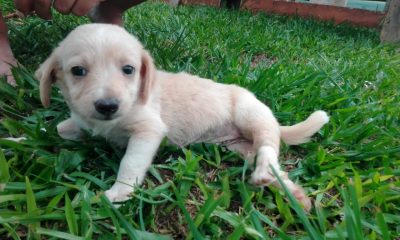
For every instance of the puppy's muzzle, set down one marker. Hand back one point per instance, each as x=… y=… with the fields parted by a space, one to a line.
x=107 y=107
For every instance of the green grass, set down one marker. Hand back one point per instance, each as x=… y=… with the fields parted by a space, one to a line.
x=350 y=169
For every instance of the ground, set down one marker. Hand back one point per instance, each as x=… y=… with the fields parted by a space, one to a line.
x=350 y=168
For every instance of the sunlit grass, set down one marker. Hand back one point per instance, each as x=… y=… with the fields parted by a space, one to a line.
x=350 y=169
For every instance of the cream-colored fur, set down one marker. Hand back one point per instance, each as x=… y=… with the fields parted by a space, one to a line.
x=154 y=104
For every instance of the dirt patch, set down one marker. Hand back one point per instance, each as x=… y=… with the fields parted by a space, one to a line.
x=262 y=60
x=168 y=223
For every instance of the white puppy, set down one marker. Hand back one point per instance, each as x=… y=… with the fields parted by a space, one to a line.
x=113 y=89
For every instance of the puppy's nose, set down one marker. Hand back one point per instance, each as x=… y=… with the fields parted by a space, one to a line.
x=107 y=106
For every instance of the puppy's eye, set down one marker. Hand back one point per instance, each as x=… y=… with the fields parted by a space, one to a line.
x=128 y=69
x=79 y=71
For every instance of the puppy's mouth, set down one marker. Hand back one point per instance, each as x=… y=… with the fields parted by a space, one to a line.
x=105 y=117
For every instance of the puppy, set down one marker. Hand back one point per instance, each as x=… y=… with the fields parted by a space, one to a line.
x=113 y=89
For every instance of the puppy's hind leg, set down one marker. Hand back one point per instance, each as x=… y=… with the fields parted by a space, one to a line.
x=263 y=175
x=257 y=122
x=245 y=149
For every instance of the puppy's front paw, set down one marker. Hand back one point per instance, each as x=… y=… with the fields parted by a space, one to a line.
x=119 y=192
x=69 y=130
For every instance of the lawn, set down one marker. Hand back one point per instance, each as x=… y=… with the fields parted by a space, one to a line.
x=350 y=168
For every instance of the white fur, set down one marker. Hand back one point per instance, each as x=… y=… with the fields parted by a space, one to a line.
x=154 y=104
x=301 y=132
x=134 y=165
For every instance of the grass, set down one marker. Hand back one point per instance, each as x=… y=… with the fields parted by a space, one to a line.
x=350 y=169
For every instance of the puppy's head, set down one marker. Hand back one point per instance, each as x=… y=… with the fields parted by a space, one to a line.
x=101 y=70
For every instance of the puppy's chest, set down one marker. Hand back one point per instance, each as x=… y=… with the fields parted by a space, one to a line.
x=116 y=135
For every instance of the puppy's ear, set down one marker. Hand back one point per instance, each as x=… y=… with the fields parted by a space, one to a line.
x=46 y=76
x=147 y=75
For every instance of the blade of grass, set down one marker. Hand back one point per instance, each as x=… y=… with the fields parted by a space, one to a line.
x=70 y=216
x=12 y=197
x=58 y=234
x=227 y=193
x=208 y=207
x=237 y=233
x=11 y=231
x=128 y=227
x=53 y=203
x=132 y=233
x=380 y=219
x=352 y=213
x=118 y=235
x=32 y=209
x=28 y=218
x=4 y=173
x=265 y=219
x=181 y=204
x=86 y=214
x=248 y=206
x=141 y=220
x=314 y=234
x=98 y=182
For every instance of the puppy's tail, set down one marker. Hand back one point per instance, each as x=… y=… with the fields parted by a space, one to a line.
x=302 y=131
